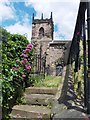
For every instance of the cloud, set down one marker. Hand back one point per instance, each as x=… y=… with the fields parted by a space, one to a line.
x=64 y=1
x=64 y=14
x=23 y=28
x=7 y=11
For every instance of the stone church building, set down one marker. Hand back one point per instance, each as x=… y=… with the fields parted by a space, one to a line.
x=55 y=52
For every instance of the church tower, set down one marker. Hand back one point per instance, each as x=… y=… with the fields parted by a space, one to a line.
x=42 y=33
x=42 y=29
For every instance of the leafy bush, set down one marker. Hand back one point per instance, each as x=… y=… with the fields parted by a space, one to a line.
x=16 y=66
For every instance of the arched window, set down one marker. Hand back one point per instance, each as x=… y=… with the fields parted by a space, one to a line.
x=41 y=32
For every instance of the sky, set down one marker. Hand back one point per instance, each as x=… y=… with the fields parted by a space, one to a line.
x=16 y=16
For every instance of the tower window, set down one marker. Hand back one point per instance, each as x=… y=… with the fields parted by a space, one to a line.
x=41 y=32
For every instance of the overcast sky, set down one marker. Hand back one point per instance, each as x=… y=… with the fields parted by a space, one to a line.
x=16 y=16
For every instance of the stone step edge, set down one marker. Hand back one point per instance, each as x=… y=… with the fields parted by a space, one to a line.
x=29 y=107
x=39 y=99
x=33 y=111
x=40 y=90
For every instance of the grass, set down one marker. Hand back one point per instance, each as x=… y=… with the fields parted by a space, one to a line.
x=49 y=81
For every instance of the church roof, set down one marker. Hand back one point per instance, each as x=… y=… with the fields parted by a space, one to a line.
x=57 y=42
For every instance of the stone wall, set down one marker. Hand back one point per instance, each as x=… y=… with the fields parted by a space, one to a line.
x=52 y=59
x=47 y=30
x=44 y=44
x=56 y=53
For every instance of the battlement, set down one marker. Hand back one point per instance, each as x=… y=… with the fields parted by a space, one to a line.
x=39 y=21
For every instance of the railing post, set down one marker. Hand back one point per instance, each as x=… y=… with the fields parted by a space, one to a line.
x=84 y=58
x=88 y=30
x=77 y=53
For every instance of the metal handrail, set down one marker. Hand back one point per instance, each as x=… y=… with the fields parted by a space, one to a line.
x=74 y=50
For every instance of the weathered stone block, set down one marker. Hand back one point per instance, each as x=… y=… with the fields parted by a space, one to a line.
x=40 y=90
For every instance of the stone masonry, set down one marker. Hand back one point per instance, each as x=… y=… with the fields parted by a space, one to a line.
x=56 y=51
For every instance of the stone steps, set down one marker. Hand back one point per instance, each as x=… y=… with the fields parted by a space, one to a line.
x=38 y=103
x=39 y=99
x=30 y=111
x=40 y=90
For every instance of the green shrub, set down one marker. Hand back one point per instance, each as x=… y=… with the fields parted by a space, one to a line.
x=16 y=65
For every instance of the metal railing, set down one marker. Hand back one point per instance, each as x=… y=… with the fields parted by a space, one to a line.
x=80 y=34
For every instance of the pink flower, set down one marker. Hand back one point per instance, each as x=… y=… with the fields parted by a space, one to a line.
x=27 y=67
x=24 y=55
x=27 y=50
x=78 y=33
x=17 y=61
x=14 y=68
x=29 y=46
x=23 y=75
x=23 y=50
x=24 y=61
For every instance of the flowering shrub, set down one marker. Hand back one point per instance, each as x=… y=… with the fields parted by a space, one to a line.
x=16 y=66
x=24 y=66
